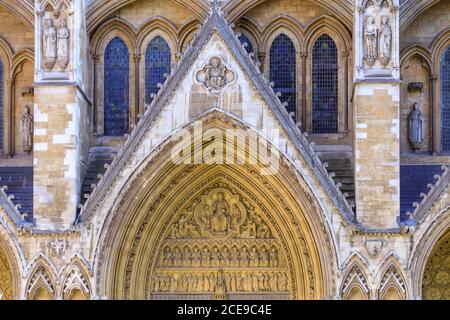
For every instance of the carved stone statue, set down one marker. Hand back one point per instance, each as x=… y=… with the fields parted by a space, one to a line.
x=63 y=44
x=385 y=41
x=49 y=44
x=26 y=126
x=416 y=127
x=370 y=41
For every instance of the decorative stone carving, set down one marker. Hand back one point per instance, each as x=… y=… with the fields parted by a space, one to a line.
x=215 y=76
x=57 y=247
x=385 y=41
x=415 y=86
x=220 y=245
x=63 y=44
x=26 y=127
x=374 y=247
x=49 y=44
x=370 y=41
x=416 y=127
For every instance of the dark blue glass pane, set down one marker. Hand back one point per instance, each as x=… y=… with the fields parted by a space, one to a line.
x=325 y=86
x=116 y=102
x=244 y=39
x=283 y=70
x=445 y=100
x=157 y=63
x=1 y=104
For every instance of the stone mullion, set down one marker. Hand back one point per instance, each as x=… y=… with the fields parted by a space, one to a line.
x=304 y=57
x=10 y=83
x=136 y=59
x=96 y=59
x=435 y=132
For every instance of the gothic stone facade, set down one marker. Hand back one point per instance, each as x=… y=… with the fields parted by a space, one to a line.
x=348 y=96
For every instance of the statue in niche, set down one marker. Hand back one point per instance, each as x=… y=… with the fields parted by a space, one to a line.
x=220 y=218
x=370 y=41
x=416 y=127
x=26 y=124
x=385 y=41
x=49 y=44
x=63 y=44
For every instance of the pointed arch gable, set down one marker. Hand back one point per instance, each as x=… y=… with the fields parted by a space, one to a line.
x=76 y=277
x=392 y=283
x=42 y=280
x=158 y=182
x=355 y=276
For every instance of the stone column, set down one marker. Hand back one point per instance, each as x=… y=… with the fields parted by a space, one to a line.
x=376 y=117
x=61 y=107
x=304 y=56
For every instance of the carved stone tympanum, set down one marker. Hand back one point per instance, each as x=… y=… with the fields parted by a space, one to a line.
x=215 y=76
x=218 y=246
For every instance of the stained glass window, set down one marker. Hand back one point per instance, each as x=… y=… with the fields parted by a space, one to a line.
x=445 y=100
x=157 y=63
x=116 y=103
x=283 y=70
x=325 y=86
x=244 y=39
x=1 y=104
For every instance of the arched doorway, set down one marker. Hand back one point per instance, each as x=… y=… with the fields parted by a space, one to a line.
x=219 y=231
x=436 y=278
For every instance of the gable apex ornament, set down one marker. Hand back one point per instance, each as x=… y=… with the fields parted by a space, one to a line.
x=215 y=76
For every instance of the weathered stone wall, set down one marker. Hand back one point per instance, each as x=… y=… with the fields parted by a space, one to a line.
x=56 y=155
x=17 y=34
x=304 y=11
x=140 y=12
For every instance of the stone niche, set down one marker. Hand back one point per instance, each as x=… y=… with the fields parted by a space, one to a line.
x=54 y=41
x=376 y=39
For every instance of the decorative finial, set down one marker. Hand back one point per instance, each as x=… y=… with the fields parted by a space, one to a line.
x=216 y=5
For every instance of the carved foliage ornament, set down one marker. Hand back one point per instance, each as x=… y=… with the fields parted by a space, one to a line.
x=215 y=76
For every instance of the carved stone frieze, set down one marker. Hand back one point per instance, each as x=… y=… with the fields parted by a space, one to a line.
x=220 y=234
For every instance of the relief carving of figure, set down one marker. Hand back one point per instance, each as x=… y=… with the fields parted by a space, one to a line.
x=26 y=123
x=385 y=41
x=49 y=44
x=215 y=76
x=63 y=44
x=220 y=218
x=370 y=41
x=416 y=127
